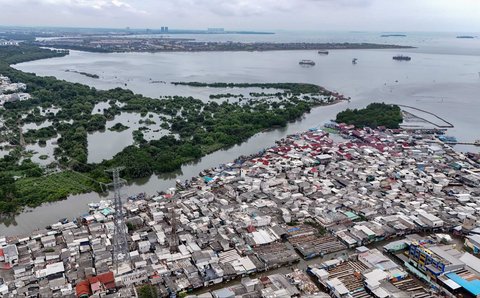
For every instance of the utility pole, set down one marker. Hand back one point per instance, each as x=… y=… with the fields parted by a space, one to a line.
x=120 y=243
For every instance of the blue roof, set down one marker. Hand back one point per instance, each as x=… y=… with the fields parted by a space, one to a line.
x=473 y=286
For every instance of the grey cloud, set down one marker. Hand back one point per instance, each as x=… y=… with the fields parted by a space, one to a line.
x=434 y=15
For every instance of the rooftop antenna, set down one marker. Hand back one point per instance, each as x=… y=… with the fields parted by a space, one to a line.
x=120 y=243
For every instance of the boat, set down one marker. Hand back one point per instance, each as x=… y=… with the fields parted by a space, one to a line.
x=466 y=36
x=477 y=142
x=307 y=62
x=393 y=35
x=402 y=58
x=93 y=205
x=323 y=52
x=447 y=139
x=354 y=61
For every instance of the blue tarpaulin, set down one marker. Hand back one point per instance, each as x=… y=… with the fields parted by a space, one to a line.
x=473 y=286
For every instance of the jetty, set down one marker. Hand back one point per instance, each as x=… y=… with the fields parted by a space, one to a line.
x=448 y=124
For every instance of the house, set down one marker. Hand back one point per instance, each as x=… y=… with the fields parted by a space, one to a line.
x=473 y=242
x=9 y=256
x=430 y=219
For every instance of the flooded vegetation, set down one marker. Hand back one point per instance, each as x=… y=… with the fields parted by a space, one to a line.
x=90 y=130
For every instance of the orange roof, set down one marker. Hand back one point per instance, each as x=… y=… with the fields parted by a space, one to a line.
x=83 y=288
x=106 y=277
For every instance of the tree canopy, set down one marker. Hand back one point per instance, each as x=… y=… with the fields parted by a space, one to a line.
x=374 y=115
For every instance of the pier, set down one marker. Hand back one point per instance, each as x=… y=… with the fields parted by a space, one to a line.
x=449 y=125
x=455 y=143
x=463 y=143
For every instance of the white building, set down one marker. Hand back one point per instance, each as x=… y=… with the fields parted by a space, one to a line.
x=430 y=219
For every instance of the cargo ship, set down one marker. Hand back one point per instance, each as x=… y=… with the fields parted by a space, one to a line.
x=306 y=62
x=401 y=58
x=323 y=52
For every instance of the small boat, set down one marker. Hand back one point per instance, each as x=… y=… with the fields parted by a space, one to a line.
x=323 y=52
x=477 y=142
x=307 y=62
x=401 y=58
x=354 y=61
x=93 y=205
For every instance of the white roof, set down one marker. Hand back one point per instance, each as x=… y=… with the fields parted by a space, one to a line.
x=262 y=237
x=471 y=261
x=375 y=275
x=381 y=293
x=451 y=284
x=338 y=286
x=475 y=239
x=50 y=269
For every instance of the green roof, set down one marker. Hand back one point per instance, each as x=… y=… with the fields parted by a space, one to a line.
x=351 y=215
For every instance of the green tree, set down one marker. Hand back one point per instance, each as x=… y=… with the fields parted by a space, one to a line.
x=147 y=291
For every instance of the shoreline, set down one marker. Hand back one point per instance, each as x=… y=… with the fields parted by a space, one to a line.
x=30 y=209
x=333 y=96
x=234 y=47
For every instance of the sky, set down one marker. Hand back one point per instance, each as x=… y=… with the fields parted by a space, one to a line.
x=327 y=15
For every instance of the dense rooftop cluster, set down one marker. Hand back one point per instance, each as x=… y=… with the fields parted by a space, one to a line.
x=306 y=197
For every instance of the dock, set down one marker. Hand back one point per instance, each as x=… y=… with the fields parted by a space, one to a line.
x=449 y=125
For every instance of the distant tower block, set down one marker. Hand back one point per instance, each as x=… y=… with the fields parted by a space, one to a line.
x=120 y=242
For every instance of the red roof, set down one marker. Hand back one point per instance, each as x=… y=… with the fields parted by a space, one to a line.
x=83 y=288
x=106 y=277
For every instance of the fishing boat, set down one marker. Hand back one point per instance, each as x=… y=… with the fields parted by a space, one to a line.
x=402 y=58
x=307 y=62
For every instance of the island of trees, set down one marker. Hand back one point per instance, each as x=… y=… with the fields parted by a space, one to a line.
x=374 y=115
x=117 y=43
x=90 y=75
x=118 y=127
x=195 y=129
